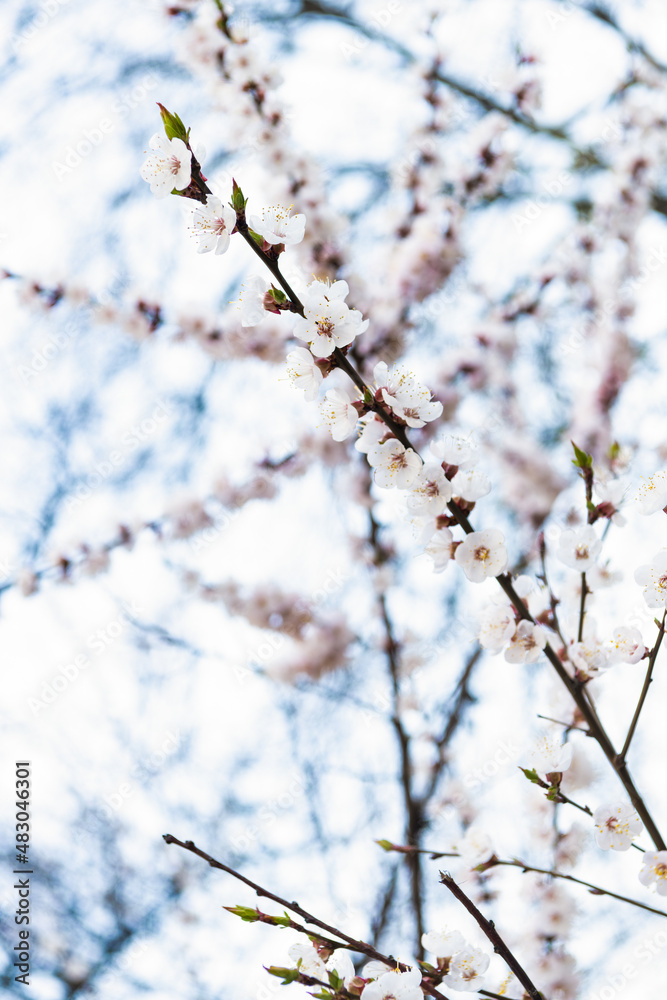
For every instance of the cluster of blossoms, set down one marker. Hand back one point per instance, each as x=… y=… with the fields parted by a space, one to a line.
x=463 y=965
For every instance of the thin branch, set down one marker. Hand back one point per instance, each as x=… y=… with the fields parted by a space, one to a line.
x=345 y=940
x=647 y=683
x=494 y=937
x=595 y=890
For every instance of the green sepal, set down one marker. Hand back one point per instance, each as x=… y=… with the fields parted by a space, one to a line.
x=173 y=126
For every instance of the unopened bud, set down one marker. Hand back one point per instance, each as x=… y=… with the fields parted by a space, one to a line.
x=173 y=126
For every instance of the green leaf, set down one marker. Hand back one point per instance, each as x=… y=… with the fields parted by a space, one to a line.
x=581 y=459
x=246 y=913
x=532 y=775
x=386 y=845
x=335 y=981
x=259 y=240
x=287 y=975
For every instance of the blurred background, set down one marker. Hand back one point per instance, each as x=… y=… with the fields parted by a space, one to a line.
x=213 y=625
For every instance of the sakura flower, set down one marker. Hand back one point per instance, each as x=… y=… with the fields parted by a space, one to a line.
x=526 y=644
x=476 y=846
x=652 y=494
x=406 y=397
x=277 y=226
x=455 y=450
x=589 y=656
x=169 y=167
x=440 y=549
x=305 y=374
x=470 y=484
x=497 y=628
x=654 y=869
x=615 y=826
x=394 y=465
x=653 y=578
x=466 y=969
x=578 y=549
x=430 y=491
x=549 y=756
x=443 y=943
x=328 y=322
x=627 y=645
x=251 y=300
x=341 y=963
x=395 y=986
x=213 y=223
x=375 y=969
x=482 y=554
x=339 y=413
x=373 y=430
x=307 y=960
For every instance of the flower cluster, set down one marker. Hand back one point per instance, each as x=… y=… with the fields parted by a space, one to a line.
x=465 y=965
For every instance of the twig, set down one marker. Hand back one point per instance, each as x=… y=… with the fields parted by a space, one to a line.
x=647 y=683
x=346 y=941
x=494 y=937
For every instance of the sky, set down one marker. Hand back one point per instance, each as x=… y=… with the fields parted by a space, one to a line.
x=143 y=707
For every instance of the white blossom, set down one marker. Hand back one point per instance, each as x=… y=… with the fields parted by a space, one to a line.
x=276 y=226
x=339 y=413
x=251 y=300
x=615 y=826
x=394 y=465
x=430 y=491
x=471 y=485
x=440 y=549
x=626 y=645
x=590 y=656
x=328 y=321
x=549 y=756
x=476 y=846
x=305 y=374
x=579 y=548
x=466 y=969
x=482 y=554
x=497 y=628
x=169 y=167
x=395 y=986
x=373 y=430
x=213 y=224
x=652 y=493
x=526 y=644
x=405 y=396
x=654 y=869
x=443 y=943
x=456 y=450
x=653 y=578
x=307 y=960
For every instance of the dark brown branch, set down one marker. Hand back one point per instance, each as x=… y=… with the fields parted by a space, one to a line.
x=494 y=937
x=345 y=940
x=647 y=683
